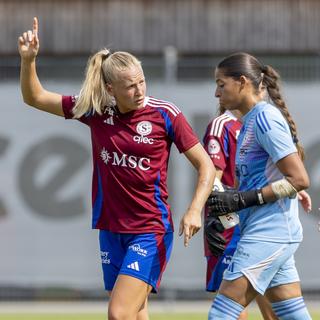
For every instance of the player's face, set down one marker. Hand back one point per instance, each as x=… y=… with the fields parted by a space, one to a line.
x=228 y=91
x=129 y=89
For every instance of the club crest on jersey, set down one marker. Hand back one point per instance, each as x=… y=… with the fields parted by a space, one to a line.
x=213 y=146
x=124 y=160
x=143 y=128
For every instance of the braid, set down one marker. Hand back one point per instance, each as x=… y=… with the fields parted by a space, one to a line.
x=271 y=80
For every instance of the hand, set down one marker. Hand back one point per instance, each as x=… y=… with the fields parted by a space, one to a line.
x=212 y=230
x=28 y=43
x=221 y=203
x=305 y=201
x=190 y=224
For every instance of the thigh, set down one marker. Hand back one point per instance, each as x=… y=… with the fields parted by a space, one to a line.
x=259 y=262
x=112 y=252
x=147 y=256
x=128 y=297
x=239 y=290
x=286 y=274
x=284 y=292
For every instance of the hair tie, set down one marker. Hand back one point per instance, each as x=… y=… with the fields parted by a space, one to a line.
x=295 y=139
x=106 y=53
x=264 y=68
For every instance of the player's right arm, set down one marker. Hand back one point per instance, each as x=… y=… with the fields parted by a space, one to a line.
x=32 y=91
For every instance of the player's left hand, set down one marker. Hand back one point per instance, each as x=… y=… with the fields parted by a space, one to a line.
x=305 y=201
x=190 y=224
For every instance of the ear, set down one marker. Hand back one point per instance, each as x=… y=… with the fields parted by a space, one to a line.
x=109 y=89
x=243 y=81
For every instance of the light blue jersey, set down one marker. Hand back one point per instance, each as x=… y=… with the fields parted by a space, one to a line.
x=264 y=139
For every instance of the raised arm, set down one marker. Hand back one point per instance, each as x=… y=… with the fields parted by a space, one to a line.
x=32 y=91
x=191 y=221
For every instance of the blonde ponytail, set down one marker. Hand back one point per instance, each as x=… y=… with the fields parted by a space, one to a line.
x=93 y=94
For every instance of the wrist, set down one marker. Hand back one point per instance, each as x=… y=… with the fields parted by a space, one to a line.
x=252 y=198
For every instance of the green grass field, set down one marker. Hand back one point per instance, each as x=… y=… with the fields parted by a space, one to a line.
x=159 y=316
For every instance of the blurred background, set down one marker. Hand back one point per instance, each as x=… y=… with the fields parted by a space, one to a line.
x=47 y=249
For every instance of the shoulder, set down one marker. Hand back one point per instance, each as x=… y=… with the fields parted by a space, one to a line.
x=163 y=106
x=269 y=117
x=216 y=126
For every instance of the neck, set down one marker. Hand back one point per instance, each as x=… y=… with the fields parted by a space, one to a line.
x=248 y=104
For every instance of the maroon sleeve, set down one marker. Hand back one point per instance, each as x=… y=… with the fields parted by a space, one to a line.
x=67 y=106
x=68 y=103
x=183 y=135
x=213 y=144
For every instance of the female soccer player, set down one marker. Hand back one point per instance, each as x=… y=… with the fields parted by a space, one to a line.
x=131 y=137
x=270 y=172
x=220 y=143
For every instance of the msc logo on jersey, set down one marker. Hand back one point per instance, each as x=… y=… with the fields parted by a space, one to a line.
x=124 y=160
x=143 y=128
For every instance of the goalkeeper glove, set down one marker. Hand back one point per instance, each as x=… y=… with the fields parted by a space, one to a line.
x=212 y=230
x=221 y=203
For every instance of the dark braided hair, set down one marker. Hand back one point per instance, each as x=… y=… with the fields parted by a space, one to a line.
x=243 y=64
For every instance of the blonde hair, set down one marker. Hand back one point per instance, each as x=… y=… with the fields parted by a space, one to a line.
x=102 y=68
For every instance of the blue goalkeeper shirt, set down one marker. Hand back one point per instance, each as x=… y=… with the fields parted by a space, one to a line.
x=264 y=139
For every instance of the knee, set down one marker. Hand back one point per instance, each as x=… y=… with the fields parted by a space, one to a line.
x=118 y=313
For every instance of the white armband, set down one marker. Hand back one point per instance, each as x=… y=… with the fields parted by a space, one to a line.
x=283 y=188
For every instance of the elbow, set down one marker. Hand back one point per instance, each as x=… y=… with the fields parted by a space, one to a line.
x=209 y=174
x=305 y=184
x=302 y=183
x=31 y=100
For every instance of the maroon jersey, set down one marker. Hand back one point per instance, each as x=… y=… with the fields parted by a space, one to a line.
x=130 y=160
x=220 y=142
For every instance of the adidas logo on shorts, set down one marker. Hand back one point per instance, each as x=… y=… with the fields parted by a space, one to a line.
x=134 y=266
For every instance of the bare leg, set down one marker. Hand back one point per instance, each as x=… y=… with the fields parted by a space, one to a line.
x=143 y=313
x=128 y=299
x=265 y=308
x=239 y=290
x=284 y=292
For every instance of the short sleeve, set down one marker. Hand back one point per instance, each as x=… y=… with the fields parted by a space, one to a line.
x=68 y=103
x=273 y=134
x=182 y=134
x=214 y=147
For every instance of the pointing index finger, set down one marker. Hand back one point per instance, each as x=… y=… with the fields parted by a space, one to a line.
x=35 y=26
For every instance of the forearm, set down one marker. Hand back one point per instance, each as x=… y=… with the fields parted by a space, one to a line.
x=206 y=175
x=31 y=87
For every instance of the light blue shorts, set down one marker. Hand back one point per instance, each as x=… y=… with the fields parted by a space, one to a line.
x=143 y=256
x=264 y=264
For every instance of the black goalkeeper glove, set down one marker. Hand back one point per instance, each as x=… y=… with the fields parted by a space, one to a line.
x=221 y=203
x=212 y=230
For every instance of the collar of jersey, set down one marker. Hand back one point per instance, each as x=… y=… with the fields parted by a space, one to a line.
x=254 y=110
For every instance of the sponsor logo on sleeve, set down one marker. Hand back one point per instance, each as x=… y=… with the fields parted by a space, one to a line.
x=213 y=147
